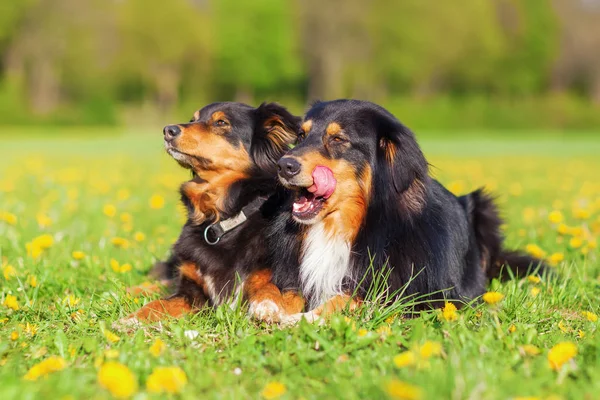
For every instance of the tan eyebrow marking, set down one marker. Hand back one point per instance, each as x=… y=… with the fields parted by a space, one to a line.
x=217 y=115
x=197 y=115
x=333 y=128
x=307 y=125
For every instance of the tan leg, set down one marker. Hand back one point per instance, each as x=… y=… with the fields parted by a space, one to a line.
x=331 y=306
x=266 y=303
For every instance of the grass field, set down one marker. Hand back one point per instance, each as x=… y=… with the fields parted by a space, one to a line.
x=82 y=219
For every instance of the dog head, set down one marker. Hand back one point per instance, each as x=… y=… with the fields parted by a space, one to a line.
x=350 y=152
x=232 y=137
x=226 y=144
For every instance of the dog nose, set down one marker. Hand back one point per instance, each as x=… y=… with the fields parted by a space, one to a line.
x=288 y=167
x=171 y=132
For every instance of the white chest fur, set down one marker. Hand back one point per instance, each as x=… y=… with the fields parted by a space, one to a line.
x=325 y=264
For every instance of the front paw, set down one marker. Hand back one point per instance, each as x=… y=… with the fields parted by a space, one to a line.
x=265 y=310
x=294 y=319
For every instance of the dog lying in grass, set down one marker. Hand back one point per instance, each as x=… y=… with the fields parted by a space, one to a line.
x=362 y=198
x=221 y=255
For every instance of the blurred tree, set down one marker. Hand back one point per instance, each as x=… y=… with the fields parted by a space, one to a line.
x=423 y=48
x=333 y=39
x=578 y=64
x=257 y=47
x=158 y=43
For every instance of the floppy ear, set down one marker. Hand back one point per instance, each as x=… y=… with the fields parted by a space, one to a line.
x=399 y=157
x=275 y=130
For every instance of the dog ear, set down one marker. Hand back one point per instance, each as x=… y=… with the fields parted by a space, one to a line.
x=399 y=157
x=276 y=129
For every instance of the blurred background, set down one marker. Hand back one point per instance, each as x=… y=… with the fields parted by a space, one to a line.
x=498 y=64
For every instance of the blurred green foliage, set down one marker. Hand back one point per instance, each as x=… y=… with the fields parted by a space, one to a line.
x=497 y=63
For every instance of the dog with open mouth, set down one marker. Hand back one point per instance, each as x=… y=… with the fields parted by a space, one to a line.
x=363 y=196
x=221 y=256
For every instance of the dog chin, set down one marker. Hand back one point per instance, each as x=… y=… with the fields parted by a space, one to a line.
x=181 y=158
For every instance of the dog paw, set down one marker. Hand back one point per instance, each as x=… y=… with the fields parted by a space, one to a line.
x=127 y=325
x=294 y=319
x=265 y=310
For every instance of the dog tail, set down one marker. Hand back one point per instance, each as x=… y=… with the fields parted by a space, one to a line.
x=486 y=221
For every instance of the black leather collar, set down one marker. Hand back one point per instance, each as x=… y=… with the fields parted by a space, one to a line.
x=220 y=228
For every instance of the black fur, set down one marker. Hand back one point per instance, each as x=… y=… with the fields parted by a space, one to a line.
x=445 y=246
x=242 y=249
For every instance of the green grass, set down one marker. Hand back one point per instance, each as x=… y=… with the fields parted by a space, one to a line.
x=66 y=183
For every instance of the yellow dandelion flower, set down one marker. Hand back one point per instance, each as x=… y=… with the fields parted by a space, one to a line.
x=78 y=255
x=512 y=328
x=562 y=229
x=156 y=202
x=590 y=316
x=581 y=334
x=575 y=242
x=9 y=271
x=456 y=187
x=449 y=312
x=157 y=348
x=430 y=349
x=7 y=217
x=384 y=330
x=117 y=379
x=32 y=280
x=592 y=243
x=120 y=242
x=528 y=215
x=561 y=354
x=362 y=332
x=563 y=328
x=403 y=391
x=49 y=365
x=43 y=241
x=534 y=279
x=273 y=390
x=405 y=359
x=530 y=350
x=556 y=217
x=492 y=297
x=535 y=291
x=582 y=213
x=43 y=220
x=555 y=259
x=111 y=337
x=30 y=329
x=70 y=300
x=119 y=268
x=111 y=353
x=126 y=218
x=33 y=251
x=11 y=302
x=167 y=380
x=123 y=194
x=535 y=250
x=109 y=210
x=139 y=237
x=14 y=335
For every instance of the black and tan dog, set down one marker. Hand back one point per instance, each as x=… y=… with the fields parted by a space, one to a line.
x=221 y=254
x=363 y=197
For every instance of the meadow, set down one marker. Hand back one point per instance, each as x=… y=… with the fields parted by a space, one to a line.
x=84 y=215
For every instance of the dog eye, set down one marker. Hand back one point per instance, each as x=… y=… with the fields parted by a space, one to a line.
x=338 y=139
x=221 y=123
x=301 y=135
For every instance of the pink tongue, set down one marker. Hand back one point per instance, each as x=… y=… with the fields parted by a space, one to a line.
x=323 y=182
